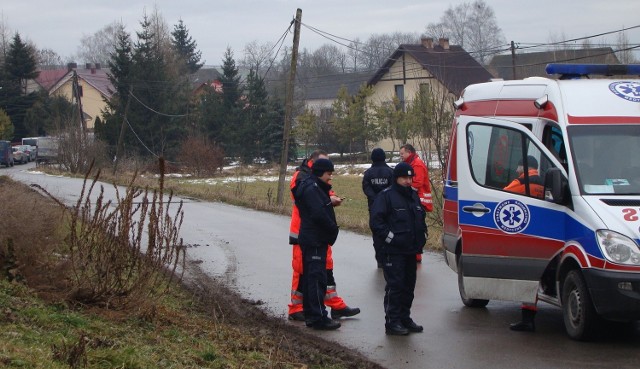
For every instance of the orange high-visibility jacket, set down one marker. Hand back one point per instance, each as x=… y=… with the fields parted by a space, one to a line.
x=421 y=181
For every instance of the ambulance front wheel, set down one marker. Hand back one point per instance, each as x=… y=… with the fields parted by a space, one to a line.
x=580 y=317
x=474 y=303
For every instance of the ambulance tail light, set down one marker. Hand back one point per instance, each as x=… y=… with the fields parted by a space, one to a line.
x=617 y=248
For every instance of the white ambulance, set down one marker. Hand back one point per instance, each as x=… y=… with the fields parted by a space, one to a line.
x=564 y=227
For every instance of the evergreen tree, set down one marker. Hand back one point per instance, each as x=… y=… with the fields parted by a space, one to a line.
x=21 y=62
x=120 y=69
x=231 y=88
x=232 y=132
x=157 y=101
x=185 y=48
x=19 y=67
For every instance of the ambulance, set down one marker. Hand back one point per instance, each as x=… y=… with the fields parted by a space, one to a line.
x=570 y=235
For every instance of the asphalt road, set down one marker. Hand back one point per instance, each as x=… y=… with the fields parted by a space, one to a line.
x=248 y=250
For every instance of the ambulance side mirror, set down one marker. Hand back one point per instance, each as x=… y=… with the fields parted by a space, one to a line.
x=555 y=187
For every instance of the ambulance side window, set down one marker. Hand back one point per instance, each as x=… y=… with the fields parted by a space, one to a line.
x=552 y=139
x=498 y=157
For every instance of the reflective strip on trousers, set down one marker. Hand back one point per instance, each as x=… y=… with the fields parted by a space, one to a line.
x=331 y=293
x=296 y=297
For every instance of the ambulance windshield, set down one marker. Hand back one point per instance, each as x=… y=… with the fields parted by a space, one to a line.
x=607 y=158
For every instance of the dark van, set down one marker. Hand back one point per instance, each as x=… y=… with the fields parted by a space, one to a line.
x=6 y=155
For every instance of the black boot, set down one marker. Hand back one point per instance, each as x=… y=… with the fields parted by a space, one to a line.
x=528 y=323
x=395 y=329
x=343 y=313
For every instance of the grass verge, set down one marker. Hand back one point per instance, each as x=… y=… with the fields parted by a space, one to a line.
x=202 y=325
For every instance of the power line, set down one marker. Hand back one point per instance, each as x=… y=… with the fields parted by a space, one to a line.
x=583 y=38
x=157 y=112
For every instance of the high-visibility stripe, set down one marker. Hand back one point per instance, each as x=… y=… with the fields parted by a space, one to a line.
x=293 y=235
x=330 y=295
x=296 y=297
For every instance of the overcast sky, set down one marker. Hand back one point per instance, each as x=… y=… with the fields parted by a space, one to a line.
x=60 y=24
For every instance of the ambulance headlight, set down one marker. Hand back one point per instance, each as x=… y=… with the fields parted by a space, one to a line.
x=618 y=248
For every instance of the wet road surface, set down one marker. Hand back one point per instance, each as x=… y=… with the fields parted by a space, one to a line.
x=248 y=250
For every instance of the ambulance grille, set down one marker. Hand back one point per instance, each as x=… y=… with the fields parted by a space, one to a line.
x=620 y=202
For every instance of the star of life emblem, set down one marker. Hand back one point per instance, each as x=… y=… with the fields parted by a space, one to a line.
x=511 y=216
x=627 y=90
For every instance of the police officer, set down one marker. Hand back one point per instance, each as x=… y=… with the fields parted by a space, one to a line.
x=318 y=229
x=397 y=220
x=376 y=178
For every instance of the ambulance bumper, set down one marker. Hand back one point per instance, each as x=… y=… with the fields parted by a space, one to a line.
x=615 y=295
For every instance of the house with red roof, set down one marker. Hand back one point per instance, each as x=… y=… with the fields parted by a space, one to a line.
x=93 y=82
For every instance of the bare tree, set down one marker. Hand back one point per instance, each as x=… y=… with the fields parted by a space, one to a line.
x=48 y=58
x=472 y=26
x=379 y=48
x=257 y=56
x=162 y=32
x=97 y=48
x=5 y=39
x=353 y=53
x=625 y=55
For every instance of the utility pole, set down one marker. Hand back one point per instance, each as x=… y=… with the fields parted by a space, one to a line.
x=122 y=129
x=513 y=59
x=288 y=112
x=76 y=92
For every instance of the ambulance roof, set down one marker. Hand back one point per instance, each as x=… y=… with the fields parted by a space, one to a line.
x=592 y=98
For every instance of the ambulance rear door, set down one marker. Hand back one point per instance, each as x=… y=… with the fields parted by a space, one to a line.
x=508 y=238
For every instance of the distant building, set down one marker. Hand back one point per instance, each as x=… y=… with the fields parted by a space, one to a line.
x=320 y=92
x=533 y=64
x=443 y=68
x=93 y=82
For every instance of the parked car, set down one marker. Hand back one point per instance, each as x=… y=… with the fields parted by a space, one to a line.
x=19 y=156
x=6 y=156
x=29 y=150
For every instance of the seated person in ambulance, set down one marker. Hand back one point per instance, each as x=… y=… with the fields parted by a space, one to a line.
x=536 y=185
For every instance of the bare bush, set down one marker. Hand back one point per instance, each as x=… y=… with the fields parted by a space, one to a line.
x=76 y=151
x=200 y=156
x=117 y=250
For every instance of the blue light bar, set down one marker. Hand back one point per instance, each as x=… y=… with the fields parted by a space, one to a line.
x=577 y=70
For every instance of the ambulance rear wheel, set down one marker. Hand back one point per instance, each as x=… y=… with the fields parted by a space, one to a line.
x=580 y=317
x=474 y=303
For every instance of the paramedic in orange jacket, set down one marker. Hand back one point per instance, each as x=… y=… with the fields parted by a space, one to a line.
x=338 y=307
x=420 y=181
x=536 y=186
x=536 y=189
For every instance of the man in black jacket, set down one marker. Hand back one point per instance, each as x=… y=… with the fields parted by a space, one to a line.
x=376 y=179
x=397 y=220
x=318 y=229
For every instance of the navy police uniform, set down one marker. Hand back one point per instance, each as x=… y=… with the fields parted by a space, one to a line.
x=397 y=220
x=318 y=229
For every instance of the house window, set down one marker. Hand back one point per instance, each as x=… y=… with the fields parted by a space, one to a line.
x=326 y=114
x=80 y=90
x=400 y=96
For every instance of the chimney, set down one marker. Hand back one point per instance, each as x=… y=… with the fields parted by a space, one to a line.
x=98 y=66
x=71 y=66
x=88 y=66
x=444 y=43
x=427 y=42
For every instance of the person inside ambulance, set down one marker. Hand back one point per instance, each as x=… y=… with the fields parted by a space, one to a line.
x=536 y=184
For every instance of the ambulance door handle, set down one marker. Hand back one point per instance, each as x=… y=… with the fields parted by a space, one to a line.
x=476 y=208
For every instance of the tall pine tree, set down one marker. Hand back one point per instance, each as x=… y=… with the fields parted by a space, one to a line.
x=186 y=48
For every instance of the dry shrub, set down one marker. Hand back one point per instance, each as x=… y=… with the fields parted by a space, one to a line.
x=29 y=223
x=77 y=152
x=200 y=157
x=118 y=251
